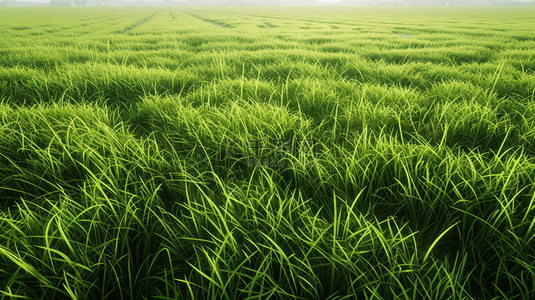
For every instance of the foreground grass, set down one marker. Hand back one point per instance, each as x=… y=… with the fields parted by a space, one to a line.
x=162 y=155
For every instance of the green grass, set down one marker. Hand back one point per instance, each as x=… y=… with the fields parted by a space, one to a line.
x=201 y=153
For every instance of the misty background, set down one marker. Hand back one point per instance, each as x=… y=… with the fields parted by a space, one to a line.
x=333 y=3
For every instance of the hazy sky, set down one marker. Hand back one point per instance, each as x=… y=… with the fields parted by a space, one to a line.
x=204 y=1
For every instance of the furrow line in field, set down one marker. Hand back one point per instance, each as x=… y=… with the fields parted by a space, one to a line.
x=303 y=20
x=139 y=23
x=213 y=22
x=333 y=25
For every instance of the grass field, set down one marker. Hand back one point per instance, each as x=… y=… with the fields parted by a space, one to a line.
x=255 y=153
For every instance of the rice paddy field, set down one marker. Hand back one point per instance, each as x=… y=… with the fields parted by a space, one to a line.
x=267 y=153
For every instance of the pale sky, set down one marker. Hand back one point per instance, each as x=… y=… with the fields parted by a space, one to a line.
x=204 y=1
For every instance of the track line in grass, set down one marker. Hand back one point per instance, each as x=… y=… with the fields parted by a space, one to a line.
x=317 y=22
x=216 y=23
x=139 y=23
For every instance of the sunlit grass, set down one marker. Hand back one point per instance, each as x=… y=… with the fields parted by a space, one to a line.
x=201 y=153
